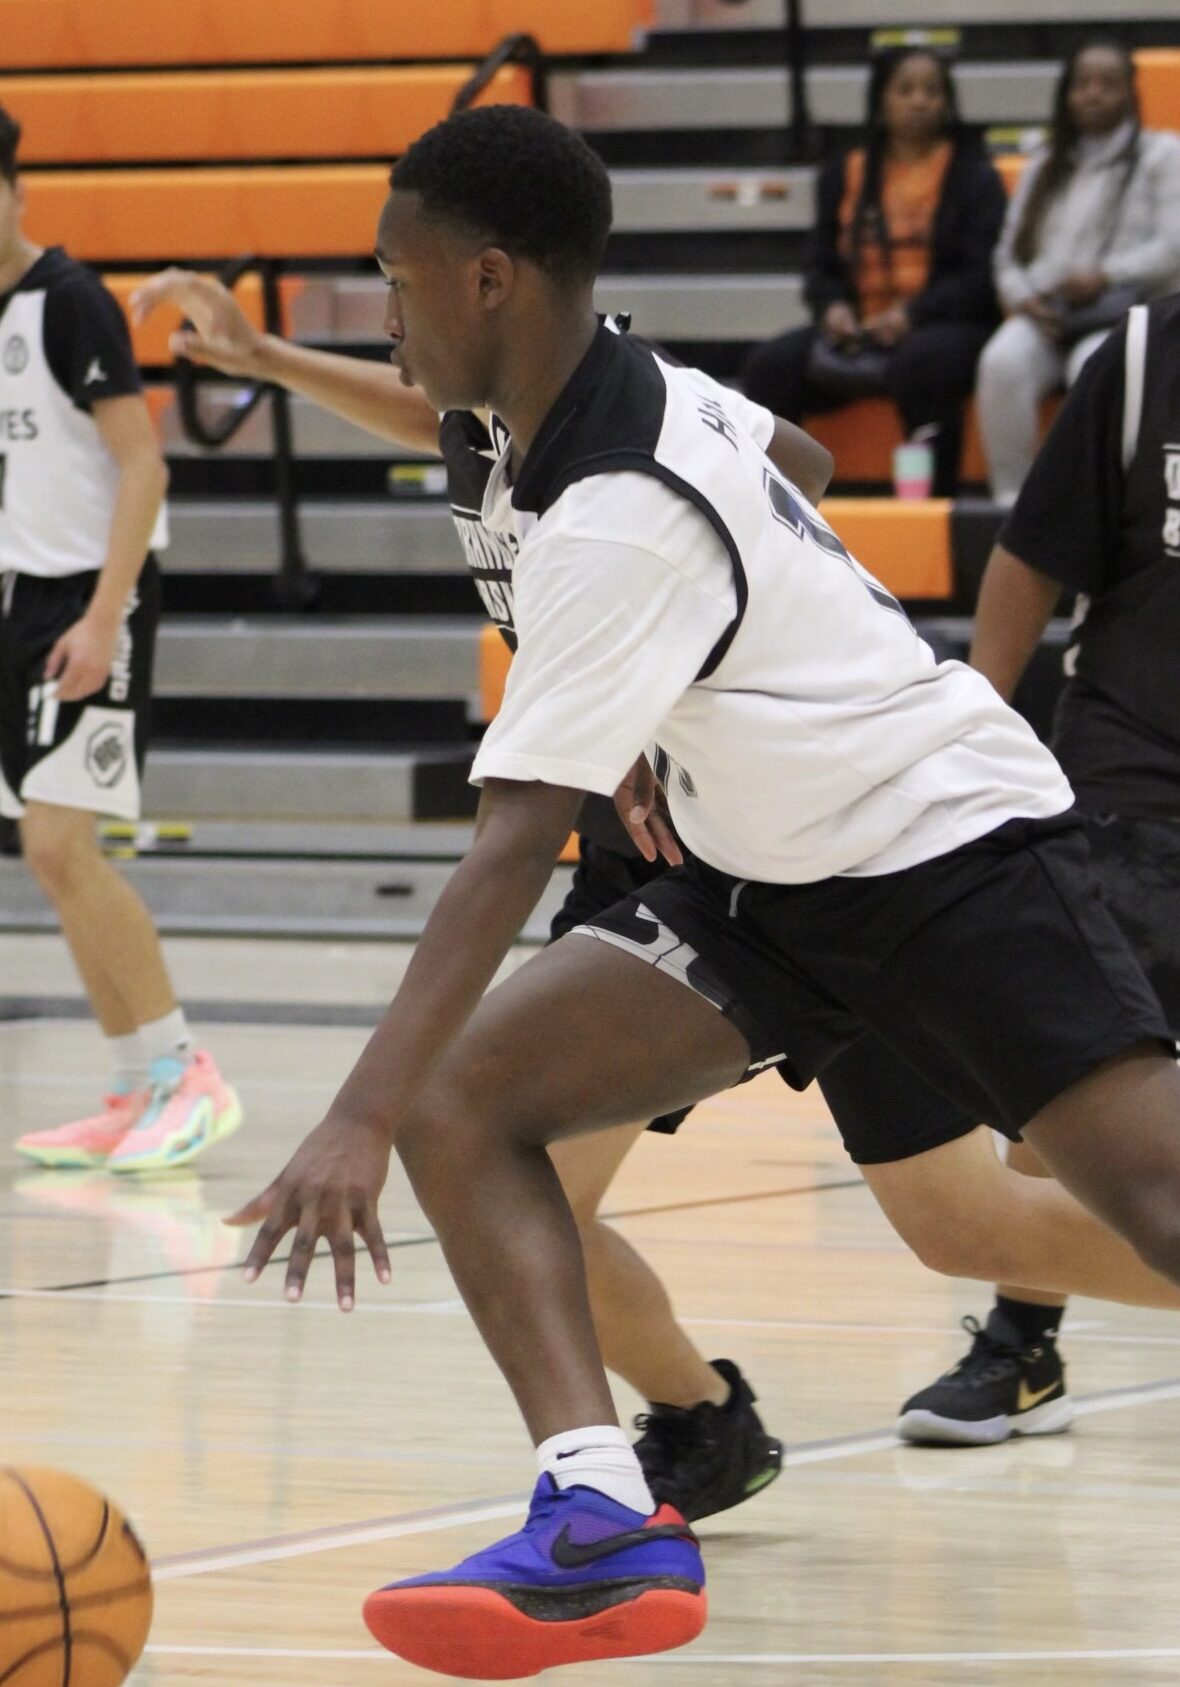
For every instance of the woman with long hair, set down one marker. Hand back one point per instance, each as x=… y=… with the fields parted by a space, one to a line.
x=1093 y=227
x=899 y=283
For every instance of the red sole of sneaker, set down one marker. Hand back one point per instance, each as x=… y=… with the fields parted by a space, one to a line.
x=477 y=1633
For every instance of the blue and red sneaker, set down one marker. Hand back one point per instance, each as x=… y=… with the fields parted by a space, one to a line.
x=585 y=1578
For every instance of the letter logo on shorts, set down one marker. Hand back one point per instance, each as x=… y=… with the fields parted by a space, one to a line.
x=106 y=755
x=16 y=354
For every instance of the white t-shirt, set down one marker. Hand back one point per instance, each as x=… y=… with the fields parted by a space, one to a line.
x=823 y=738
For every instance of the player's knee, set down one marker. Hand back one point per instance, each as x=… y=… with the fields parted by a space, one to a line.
x=1151 y=1226
x=960 y=1250
x=52 y=850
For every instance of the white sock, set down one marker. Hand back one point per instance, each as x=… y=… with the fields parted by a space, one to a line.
x=599 y=1457
x=168 y=1038
x=129 y=1063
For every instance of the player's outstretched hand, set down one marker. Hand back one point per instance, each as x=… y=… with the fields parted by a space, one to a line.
x=221 y=334
x=637 y=802
x=330 y=1189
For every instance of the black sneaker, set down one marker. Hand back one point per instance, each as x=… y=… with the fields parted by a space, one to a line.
x=1000 y=1388
x=706 y=1458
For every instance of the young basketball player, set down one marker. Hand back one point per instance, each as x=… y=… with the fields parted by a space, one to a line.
x=703 y=1446
x=1099 y=515
x=81 y=484
x=860 y=821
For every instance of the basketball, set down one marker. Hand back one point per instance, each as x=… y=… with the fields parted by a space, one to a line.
x=75 y=1583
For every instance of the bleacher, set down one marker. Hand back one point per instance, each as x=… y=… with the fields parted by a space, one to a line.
x=202 y=130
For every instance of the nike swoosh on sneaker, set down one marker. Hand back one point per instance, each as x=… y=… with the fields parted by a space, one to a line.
x=1027 y=1397
x=572 y=1555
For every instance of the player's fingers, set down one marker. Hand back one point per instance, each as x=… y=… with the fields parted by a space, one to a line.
x=369 y=1228
x=267 y=1240
x=665 y=841
x=56 y=660
x=343 y=1246
x=186 y=342
x=255 y=1210
x=175 y=286
x=637 y=831
x=303 y=1245
x=153 y=292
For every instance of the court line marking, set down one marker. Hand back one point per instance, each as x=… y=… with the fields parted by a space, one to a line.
x=334 y=1537
x=416 y=1240
x=453 y=1306
x=1126 y=1654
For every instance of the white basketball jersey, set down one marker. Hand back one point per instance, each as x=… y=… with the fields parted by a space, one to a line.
x=63 y=345
x=671 y=588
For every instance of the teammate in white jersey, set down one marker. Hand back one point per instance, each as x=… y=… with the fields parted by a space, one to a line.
x=876 y=842
x=81 y=490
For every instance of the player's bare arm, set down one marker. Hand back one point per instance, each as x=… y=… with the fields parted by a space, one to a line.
x=331 y=1185
x=365 y=392
x=1015 y=604
x=804 y=461
x=81 y=659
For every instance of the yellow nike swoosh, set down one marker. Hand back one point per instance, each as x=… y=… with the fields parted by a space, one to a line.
x=1026 y=1397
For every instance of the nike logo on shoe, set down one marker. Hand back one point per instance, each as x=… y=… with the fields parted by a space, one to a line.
x=1027 y=1398
x=572 y=1555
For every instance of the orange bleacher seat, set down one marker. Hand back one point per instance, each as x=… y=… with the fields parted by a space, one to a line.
x=77 y=34
x=1159 y=86
x=150 y=339
x=131 y=216
x=240 y=114
x=904 y=544
x=863 y=435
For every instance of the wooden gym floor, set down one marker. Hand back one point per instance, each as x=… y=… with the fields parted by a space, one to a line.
x=282 y=1462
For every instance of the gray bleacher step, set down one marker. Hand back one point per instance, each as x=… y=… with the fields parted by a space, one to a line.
x=657 y=201
x=240 y=536
x=886 y=14
x=599 y=101
x=426 y=657
x=706 y=307
x=256 y=784
x=279 y=898
x=673 y=307
x=421 y=840
x=315 y=432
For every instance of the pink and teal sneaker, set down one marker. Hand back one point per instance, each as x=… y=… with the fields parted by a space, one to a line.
x=89 y=1142
x=192 y=1107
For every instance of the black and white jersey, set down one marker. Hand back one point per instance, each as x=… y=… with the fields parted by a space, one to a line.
x=673 y=591
x=64 y=345
x=1100 y=511
x=470 y=450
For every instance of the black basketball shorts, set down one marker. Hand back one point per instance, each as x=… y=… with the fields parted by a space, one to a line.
x=1137 y=865
x=85 y=755
x=971 y=989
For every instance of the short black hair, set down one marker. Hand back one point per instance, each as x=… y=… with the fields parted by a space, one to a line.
x=518 y=178
x=9 y=141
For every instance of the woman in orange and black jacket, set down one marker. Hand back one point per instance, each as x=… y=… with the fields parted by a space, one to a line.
x=900 y=278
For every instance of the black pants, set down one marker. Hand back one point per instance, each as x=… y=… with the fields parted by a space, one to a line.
x=929 y=376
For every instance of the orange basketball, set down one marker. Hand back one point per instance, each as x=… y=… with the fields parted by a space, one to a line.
x=75 y=1584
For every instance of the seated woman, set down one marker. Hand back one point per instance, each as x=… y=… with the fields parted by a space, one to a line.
x=899 y=284
x=1094 y=227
